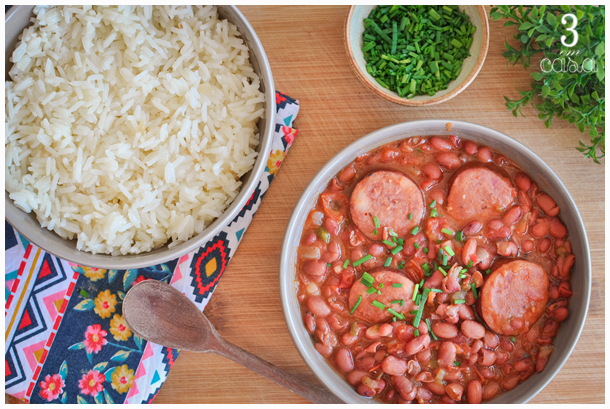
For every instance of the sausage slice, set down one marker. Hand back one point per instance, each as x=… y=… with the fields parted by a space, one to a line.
x=479 y=192
x=514 y=297
x=390 y=197
x=389 y=293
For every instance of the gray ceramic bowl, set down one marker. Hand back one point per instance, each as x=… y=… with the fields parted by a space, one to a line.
x=18 y=18
x=533 y=165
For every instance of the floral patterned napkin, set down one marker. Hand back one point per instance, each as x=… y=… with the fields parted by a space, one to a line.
x=66 y=339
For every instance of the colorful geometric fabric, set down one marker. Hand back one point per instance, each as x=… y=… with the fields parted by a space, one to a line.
x=66 y=339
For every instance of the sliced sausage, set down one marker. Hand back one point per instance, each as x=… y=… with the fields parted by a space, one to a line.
x=514 y=297
x=387 y=277
x=390 y=197
x=479 y=192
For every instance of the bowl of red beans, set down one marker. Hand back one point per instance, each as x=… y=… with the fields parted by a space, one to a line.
x=435 y=262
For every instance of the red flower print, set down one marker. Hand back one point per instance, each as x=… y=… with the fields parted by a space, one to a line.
x=289 y=135
x=51 y=387
x=95 y=338
x=279 y=98
x=91 y=383
x=140 y=279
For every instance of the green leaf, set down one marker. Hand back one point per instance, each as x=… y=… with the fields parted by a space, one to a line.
x=138 y=340
x=129 y=278
x=81 y=400
x=121 y=295
x=63 y=370
x=510 y=23
x=90 y=357
x=101 y=366
x=600 y=74
x=538 y=76
x=108 y=397
x=78 y=269
x=120 y=356
x=566 y=8
x=112 y=274
x=600 y=49
x=496 y=16
x=99 y=398
x=108 y=374
x=526 y=26
x=549 y=41
x=551 y=19
x=545 y=90
x=64 y=397
x=85 y=305
x=80 y=345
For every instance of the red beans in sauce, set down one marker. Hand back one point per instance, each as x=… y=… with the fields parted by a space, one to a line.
x=416 y=198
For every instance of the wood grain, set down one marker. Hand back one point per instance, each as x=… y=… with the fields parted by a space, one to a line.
x=307 y=55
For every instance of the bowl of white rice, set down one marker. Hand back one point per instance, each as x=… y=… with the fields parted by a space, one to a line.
x=133 y=134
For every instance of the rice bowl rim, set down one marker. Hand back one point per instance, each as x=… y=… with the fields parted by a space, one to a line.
x=16 y=20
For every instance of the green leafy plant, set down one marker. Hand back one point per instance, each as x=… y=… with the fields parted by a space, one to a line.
x=571 y=83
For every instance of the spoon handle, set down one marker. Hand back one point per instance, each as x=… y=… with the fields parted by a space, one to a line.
x=306 y=390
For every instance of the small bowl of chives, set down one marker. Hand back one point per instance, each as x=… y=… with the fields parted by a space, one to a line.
x=417 y=55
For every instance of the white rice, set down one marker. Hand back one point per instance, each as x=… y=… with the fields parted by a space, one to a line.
x=127 y=127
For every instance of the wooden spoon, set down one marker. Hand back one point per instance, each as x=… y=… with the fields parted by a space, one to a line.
x=161 y=314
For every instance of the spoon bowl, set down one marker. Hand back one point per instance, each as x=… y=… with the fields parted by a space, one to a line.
x=161 y=314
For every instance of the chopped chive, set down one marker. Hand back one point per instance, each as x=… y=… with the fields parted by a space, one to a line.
x=445 y=259
x=462 y=276
x=401 y=241
x=415 y=230
x=440 y=254
x=459 y=236
x=402 y=303
x=442 y=271
x=395 y=301
x=425 y=267
x=377 y=304
x=449 y=251
x=421 y=283
x=488 y=271
x=356 y=305
x=418 y=299
x=464 y=271
x=416 y=332
x=474 y=291
x=396 y=314
x=415 y=291
x=420 y=310
x=416 y=246
x=426 y=250
x=430 y=330
x=378 y=292
x=389 y=243
x=470 y=264
x=376 y=221
x=513 y=339
x=380 y=285
x=401 y=265
x=375 y=232
x=433 y=213
x=392 y=233
x=397 y=249
x=456 y=363
x=367 y=279
x=393 y=319
x=388 y=261
x=362 y=260
x=459 y=301
x=413 y=312
x=346 y=263
x=397 y=285
x=410 y=216
x=436 y=290
x=327 y=264
x=447 y=231
x=432 y=204
x=371 y=290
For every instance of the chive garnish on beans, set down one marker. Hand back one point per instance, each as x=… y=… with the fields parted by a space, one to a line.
x=410 y=216
x=362 y=260
x=421 y=283
x=449 y=251
x=367 y=279
x=393 y=319
x=327 y=264
x=433 y=213
x=396 y=314
x=402 y=303
x=418 y=299
x=513 y=339
x=445 y=259
x=401 y=265
x=415 y=230
x=459 y=301
x=376 y=221
x=432 y=204
x=474 y=290
x=459 y=236
x=356 y=305
x=442 y=271
x=346 y=263
x=436 y=290
x=377 y=304
x=447 y=231
x=388 y=261
x=397 y=249
x=470 y=264
x=395 y=301
x=375 y=232
x=425 y=267
x=416 y=332
x=416 y=246
x=426 y=250
x=371 y=290
x=456 y=363
x=430 y=329
x=380 y=285
x=397 y=285
x=401 y=241
x=415 y=291
x=488 y=271
x=420 y=310
x=388 y=242
x=393 y=233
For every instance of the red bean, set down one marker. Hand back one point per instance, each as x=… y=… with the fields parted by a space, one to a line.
x=417 y=344
x=544 y=245
x=473 y=329
x=337 y=323
x=423 y=328
x=364 y=390
x=485 y=155
x=568 y=246
x=557 y=228
x=470 y=147
x=404 y=387
x=524 y=201
x=501 y=358
x=509 y=384
x=385 y=330
x=310 y=237
x=507 y=248
x=389 y=396
x=455 y=141
x=376 y=249
x=318 y=306
x=331 y=226
x=389 y=153
x=372 y=332
x=560 y=314
x=446 y=354
x=355 y=377
x=499 y=234
x=564 y=290
x=546 y=203
x=472 y=227
x=486 y=372
x=550 y=328
x=444 y=330
x=506 y=344
x=310 y=322
x=487 y=357
x=543 y=357
x=522 y=181
x=491 y=340
x=423 y=394
x=490 y=390
x=439 y=196
x=365 y=363
x=347 y=175
x=474 y=393
x=455 y=391
x=448 y=159
x=424 y=355
x=474 y=357
x=465 y=312
x=512 y=216
x=413 y=367
x=523 y=364
x=394 y=366
x=440 y=144
x=501 y=160
x=527 y=246
x=315 y=268
x=568 y=264
x=344 y=359
x=476 y=346
x=541 y=228
x=325 y=350
x=469 y=251
x=436 y=388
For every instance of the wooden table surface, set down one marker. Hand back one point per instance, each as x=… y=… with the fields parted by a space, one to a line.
x=307 y=55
